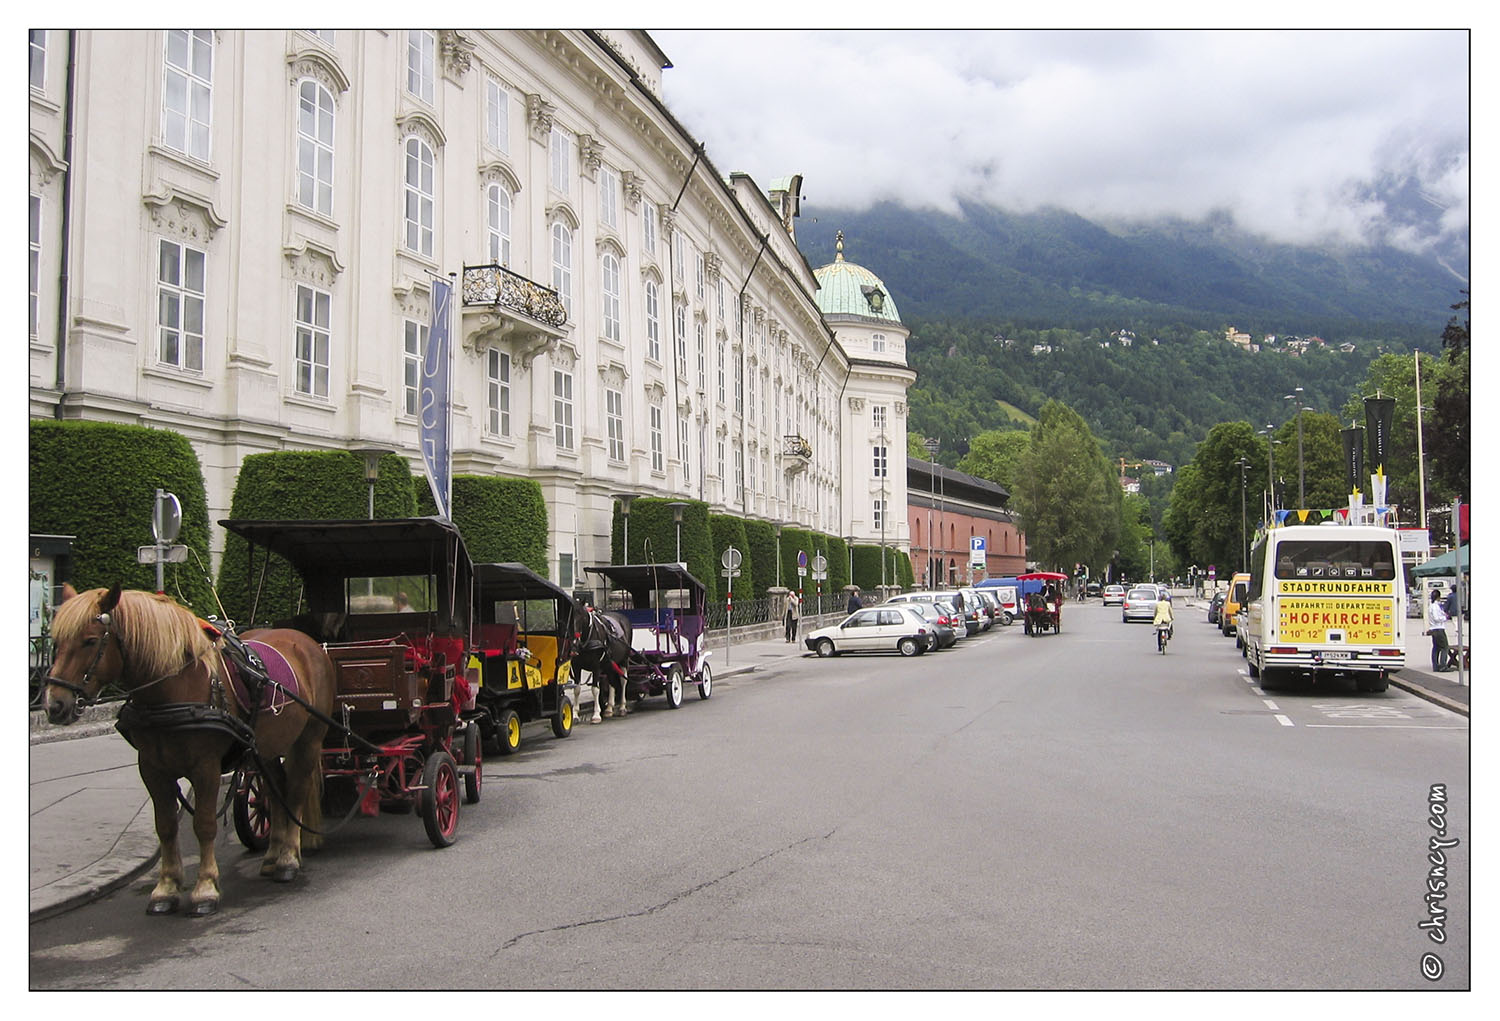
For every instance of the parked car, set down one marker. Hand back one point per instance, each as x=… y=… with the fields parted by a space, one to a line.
x=942 y=621
x=1140 y=604
x=1092 y=590
x=889 y=627
x=974 y=620
x=1114 y=595
x=1215 y=607
x=998 y=613
x=1234 y=601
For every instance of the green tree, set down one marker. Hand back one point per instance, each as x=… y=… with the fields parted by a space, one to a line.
x=995 y=455
x=1203 y=523
x=1450 y=446
x=1066 y=493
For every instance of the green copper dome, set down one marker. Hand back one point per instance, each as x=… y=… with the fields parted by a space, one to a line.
x=847 y=289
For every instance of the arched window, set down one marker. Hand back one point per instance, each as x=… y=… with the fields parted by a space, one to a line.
x=497 y=217
x=315 y=147
x=562 y=264
x=420 y=196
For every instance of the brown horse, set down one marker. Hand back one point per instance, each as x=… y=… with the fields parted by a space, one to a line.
x=172 y=671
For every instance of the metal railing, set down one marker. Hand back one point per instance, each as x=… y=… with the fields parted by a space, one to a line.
x=498 y=286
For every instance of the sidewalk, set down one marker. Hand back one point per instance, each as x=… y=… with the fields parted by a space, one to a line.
x=90 y=819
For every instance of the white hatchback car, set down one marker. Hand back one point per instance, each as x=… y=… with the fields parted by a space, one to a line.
x=893 y=627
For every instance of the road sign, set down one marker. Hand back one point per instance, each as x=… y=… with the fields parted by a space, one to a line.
x=730 y=574
x=820 y=563
x=977 y=557
x=169 y=554
x=802 y=558
x=731 y=559
x=166 y=517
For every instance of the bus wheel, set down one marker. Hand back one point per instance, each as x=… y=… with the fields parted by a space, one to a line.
x=1375 y=683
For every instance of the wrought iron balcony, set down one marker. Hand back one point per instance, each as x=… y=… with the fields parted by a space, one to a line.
x=796 y=454
x=501 y=305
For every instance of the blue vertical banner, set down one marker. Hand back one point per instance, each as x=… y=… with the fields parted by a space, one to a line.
x=435 y=401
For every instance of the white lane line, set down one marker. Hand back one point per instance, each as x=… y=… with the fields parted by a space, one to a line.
x=1284 y=721
x=1271 y=705
x=1379 y=726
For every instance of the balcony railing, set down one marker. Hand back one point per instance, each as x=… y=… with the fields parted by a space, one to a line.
x=498 y=287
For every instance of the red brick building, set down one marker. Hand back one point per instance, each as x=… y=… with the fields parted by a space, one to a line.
x=946 y=509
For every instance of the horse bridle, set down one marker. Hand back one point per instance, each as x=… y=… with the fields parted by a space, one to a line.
x=82 y=699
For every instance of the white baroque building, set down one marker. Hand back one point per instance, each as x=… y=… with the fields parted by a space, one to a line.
x=234 y=234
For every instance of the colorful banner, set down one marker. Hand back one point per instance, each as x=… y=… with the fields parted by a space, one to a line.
x=435 y=401
x=1380 y=414
x=1354 y=457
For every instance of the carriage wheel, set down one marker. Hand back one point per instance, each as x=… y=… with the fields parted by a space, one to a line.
x=473 y=757
x=674 y=686
x=252 y=812
x=440 y=798
x=510 y=731
x=562 y=720
x=705 y=682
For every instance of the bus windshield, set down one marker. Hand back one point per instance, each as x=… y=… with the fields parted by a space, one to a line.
x=1335 y=558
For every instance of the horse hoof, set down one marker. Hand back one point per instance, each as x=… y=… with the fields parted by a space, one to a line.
x=162 y=906
x=204 y=908
x=284 y=873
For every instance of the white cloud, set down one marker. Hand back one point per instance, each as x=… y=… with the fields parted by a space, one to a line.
x=1296 y=134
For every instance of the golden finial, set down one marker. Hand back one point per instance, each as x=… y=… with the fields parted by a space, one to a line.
x=838 y=246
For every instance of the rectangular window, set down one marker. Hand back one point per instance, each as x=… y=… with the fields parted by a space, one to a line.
x=739 y=387
x=739 y=475
x=679 y=253
x=187 y=92
x=648 y=227
x=614 y=420
x=34 y=260
x=421 y=48
x=880 y=462
x=723 y=359
x=609 y=198
x=497 y=220
x=720 y=458
x=722 y=289
x=877 y=419
x=414 y=348
x=558 y=160
x=877 y=518
x=609 y=296
x=754 y=467
x=496 y=115
x=565 y=570
x=179 y=306
x=658 y=462
x=683 y=451
x=38 y=58
x=653 y=323
x=562 y=408
x=313 y=339
x=702 y=276
x=420 y=195
x=679 y=341
x=562 y=265
x=877 y=342
x=497 y=372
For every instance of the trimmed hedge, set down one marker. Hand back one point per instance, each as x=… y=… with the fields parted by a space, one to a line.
x=867 y=567
x=299 y=485
x=730 y=531
x=501 y=519
x=760 y=537
x=653 y=538
x=97 y=481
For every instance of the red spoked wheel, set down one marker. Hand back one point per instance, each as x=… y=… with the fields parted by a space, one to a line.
x=440 y=798
x=252 y=812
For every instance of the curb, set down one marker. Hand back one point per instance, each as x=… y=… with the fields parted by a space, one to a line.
x=96 y=719
x=1431 y=696
x=137 y=844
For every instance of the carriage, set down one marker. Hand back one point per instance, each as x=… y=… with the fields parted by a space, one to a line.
x=665 y=607
x=523 y=654
x=1043 y=611
x=391 y=602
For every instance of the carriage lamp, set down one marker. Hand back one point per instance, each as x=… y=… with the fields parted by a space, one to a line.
x=677 y=508
x=625 y=499
x=372 y=456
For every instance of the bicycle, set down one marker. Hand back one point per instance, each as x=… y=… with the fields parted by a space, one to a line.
x=1163 y=635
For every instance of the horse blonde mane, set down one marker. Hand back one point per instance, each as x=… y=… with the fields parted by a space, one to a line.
x=159 y=636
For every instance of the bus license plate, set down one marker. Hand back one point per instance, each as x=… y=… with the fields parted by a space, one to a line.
x=1338 y=655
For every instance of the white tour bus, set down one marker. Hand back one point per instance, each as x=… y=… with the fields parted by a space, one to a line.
x=1326 y=599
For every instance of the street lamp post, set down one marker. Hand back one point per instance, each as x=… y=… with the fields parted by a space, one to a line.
x=932 y=444
x=778 y=554
x=1296 y=398
x=677 y=508
x=849 y=545
x=625 y=499
x=1270 y=472
x=372 y=456
x=1244 y=463
x=1421 y=468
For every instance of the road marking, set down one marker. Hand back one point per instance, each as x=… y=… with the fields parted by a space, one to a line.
x=1379 y=726
x=1271 y=705
x=1284 y=721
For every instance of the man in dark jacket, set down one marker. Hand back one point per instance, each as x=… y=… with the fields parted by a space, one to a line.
x=854 y=601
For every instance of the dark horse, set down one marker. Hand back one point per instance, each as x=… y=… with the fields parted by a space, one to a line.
x=185 y=721
x=603 y=648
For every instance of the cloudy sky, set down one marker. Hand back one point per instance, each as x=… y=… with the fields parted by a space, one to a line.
x=1304 y=136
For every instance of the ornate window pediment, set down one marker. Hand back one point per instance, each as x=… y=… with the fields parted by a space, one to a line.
x=563 y=212
x=421 y=124
x=613 y=374
x=312 y=262
x=318 y=64
x=497 y=172
x=184 y=214
x=44 y=164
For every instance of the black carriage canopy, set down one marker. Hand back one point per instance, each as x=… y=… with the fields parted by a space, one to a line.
x=643 y=581
x=371 y=566
x=512 y=588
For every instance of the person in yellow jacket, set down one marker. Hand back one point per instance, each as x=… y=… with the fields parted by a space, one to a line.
x=1163 y=615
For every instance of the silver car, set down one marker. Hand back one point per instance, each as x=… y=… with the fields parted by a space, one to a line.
x=1140 y=604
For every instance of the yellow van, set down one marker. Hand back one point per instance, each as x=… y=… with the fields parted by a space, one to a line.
x=1234 y=601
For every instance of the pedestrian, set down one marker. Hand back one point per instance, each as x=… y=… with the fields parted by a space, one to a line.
x=854 y=600
x=958 y=602
x=793 y=611
x=1437 y=627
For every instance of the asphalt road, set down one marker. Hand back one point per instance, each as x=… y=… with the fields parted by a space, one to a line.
x=1068 y=811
